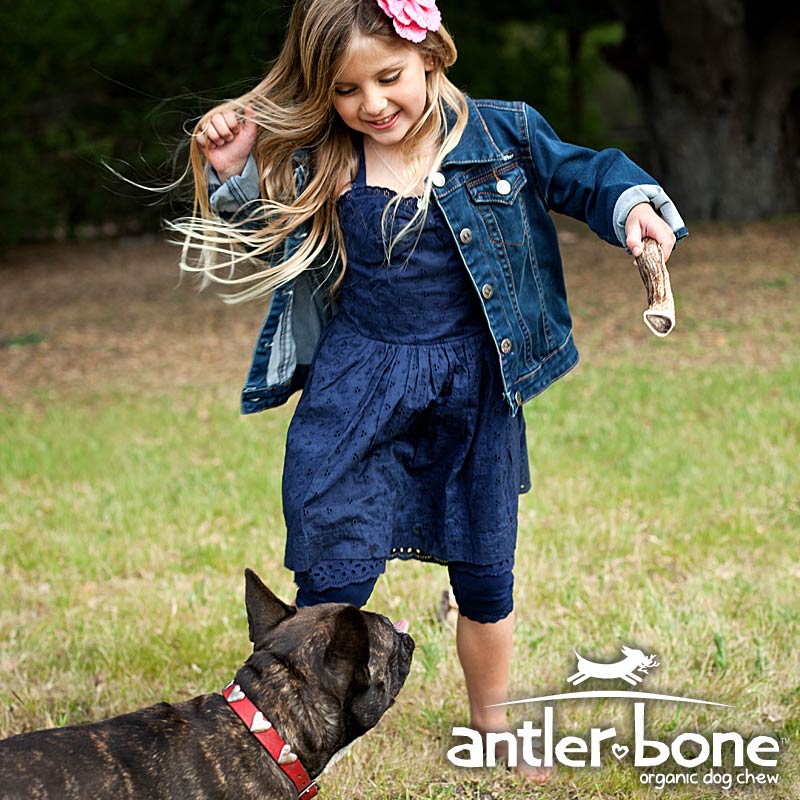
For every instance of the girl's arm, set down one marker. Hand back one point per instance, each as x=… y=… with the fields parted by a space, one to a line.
x=619 y=201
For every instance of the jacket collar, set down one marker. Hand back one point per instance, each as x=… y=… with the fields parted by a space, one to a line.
x=476 y=144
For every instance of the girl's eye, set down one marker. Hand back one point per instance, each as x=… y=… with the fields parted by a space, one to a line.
x=388 y=79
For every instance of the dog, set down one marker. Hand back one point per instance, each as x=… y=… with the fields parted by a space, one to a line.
x=318 y=678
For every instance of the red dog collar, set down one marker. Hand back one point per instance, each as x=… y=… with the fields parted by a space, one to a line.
x=270 y=740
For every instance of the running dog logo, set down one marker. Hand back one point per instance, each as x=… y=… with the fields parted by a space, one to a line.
x=626 y=668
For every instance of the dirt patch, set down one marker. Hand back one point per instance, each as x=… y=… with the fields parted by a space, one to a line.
x=734 y=292
x=85 y=317
x=81 y=317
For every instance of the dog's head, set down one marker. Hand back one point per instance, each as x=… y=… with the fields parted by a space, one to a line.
x=337 y=668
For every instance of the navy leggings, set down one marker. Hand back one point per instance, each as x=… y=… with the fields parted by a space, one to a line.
x=484 y=598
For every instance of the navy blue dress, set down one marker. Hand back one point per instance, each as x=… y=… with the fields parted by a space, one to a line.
x=401 y=445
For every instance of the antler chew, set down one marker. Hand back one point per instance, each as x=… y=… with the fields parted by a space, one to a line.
x=660 y=313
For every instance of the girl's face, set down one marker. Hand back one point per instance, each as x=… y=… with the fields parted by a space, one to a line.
x=381 y=92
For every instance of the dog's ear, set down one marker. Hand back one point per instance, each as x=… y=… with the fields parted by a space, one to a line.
x=264 y=609
x=347 y=653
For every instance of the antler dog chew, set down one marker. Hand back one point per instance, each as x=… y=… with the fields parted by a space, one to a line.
x=660 y=313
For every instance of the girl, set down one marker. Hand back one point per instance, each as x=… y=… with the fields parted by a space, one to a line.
x=417 y=298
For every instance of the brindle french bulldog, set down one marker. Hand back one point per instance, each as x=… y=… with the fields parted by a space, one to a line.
x=322 y=675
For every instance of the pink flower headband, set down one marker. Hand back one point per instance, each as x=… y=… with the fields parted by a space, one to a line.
x=412 y=18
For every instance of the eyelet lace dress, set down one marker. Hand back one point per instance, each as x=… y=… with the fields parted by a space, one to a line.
x=401 y=445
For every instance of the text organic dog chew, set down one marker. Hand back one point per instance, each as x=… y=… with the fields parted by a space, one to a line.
x=318 y=678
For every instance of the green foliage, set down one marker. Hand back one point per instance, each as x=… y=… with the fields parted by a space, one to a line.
x=117 y=82
x=113 y=82
x=584 y=100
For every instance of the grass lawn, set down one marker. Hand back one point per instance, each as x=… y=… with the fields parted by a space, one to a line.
x=664 y=513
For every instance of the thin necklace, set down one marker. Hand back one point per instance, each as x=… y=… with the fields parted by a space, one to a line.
x=386 y=163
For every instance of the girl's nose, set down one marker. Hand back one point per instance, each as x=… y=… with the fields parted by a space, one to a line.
x=374 y=103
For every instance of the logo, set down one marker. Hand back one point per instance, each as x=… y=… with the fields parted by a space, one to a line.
x=719 y=759
x=626 y=669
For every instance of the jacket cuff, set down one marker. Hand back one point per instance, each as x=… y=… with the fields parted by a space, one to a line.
x=238 y=190
x=658 y=198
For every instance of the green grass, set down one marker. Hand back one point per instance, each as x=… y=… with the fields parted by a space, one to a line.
x=664 y=513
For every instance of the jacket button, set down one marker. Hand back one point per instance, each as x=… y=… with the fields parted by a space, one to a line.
x=437 y=179
x=465 y=236
x=503 y=186
x=487 y=291
x=505 y=346
x=518 y=398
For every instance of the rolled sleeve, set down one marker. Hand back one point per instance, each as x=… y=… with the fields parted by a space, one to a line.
x=237 y=191
x=658 y=198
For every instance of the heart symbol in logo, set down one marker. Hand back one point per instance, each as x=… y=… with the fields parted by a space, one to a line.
x=619 y=750
x=287 y=756
x=260 y=723
x=236 y=694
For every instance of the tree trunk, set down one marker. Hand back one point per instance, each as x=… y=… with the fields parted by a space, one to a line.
x=719 y=83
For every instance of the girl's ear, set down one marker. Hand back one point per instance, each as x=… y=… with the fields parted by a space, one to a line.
x=429 y=65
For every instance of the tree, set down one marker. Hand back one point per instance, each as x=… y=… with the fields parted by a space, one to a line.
x=719 y=84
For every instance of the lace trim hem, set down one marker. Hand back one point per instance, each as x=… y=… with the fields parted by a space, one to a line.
x=335 y=574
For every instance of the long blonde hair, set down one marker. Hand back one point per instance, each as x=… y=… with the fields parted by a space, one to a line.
x=293 y=108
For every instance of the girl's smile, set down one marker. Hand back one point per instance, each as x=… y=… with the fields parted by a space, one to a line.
x=381 y=91
x=386 y=122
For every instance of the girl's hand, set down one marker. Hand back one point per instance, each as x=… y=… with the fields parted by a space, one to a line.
x=226 y=139
x=644 y=222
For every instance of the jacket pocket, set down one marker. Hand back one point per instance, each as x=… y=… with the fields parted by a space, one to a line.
x=495 y=190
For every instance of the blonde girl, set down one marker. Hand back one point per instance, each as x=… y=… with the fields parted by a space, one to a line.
x=417 y=298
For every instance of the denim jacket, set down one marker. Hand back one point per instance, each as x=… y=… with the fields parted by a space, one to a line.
x=496 y=189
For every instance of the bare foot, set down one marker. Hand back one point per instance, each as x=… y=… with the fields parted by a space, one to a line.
x=523 y=769
x=538 y=775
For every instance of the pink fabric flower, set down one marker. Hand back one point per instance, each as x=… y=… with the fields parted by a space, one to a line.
x=412 y=19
